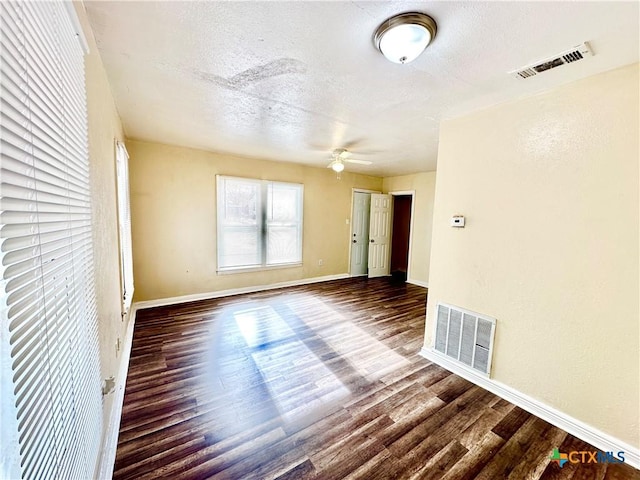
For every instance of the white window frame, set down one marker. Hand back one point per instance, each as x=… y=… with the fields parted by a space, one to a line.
x=124 y=227
x=262 y=225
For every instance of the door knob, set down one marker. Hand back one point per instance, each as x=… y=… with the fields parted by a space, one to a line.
x=372 y=240
x=355 y=241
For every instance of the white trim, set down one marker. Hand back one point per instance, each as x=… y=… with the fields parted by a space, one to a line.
x=413 y=206
x=402 y=192
x=236 y=291
x=419 y=283
x=110 y=441
x=125 y=245
x=250 y=269
x=589 y=434
x=363 y=190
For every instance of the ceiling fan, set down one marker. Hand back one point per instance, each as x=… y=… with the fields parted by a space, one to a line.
x=340 y=156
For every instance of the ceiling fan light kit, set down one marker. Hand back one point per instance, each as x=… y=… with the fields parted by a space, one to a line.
x=402 y=38
x=337 y=166
x=340 y=156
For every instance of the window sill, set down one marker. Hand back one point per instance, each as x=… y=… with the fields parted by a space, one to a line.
x=231 y=271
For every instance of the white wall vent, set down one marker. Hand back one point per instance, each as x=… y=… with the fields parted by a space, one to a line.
x=465 y=336
x=572 y=55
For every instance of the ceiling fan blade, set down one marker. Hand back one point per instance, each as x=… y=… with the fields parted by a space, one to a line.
x=367 y=152
x=360 y=162
x=318 y=147
x=353 y=143
x=340 y=153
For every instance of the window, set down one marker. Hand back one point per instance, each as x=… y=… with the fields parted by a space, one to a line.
x=50 y=398
x=259 y=223
x=124 y=226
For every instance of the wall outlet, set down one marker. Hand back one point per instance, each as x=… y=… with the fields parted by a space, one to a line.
x=320 y=262
x=108 y=386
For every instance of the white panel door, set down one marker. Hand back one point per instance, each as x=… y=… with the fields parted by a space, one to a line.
x=360 y=233
x=379 y=235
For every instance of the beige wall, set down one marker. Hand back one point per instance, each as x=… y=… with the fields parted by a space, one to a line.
x=104 y=127
x=173 y=202
x=549 y=188
x=424 y=186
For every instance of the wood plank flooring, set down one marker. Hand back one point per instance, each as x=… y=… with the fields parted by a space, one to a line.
x=319 y=382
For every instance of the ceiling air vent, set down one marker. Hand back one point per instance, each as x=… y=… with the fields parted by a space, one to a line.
x=572 y=55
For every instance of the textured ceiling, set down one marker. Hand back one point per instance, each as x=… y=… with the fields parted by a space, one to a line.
x=291 y=81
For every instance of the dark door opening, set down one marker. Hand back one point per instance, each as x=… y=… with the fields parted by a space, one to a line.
x=400 y=236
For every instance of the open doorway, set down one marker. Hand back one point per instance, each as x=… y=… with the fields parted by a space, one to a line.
x=372 y=251
x=401 y=231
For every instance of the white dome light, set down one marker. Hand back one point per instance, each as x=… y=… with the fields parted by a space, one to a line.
x=401 y=39
x=337 y=166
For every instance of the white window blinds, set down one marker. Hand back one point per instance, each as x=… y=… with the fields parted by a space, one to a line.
x=124 y=226
x=49 y=369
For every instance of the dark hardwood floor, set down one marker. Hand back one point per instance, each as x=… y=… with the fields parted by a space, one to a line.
x=321 y=381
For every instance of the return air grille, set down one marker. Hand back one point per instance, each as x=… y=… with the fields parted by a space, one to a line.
x=569 y=56
x=465 y=336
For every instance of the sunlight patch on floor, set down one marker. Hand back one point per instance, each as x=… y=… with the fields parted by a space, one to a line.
x=277 y=352
x=372 y=360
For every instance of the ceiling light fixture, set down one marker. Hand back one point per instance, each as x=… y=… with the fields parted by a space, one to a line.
x=404 y=37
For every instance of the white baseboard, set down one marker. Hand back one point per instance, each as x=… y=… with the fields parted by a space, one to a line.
x=419 y=283
x=575 y=427
x=110 y=443
x=236 y=291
